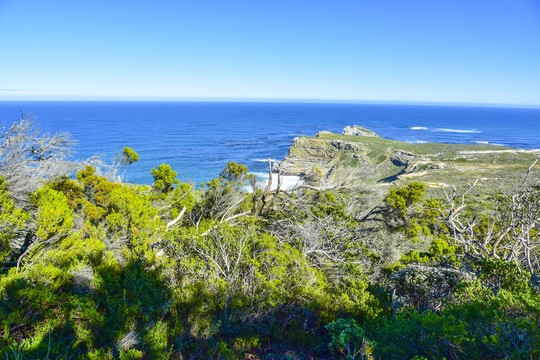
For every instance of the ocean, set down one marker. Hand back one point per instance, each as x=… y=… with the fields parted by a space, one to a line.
x=198 y=138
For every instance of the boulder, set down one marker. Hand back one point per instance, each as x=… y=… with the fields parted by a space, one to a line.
x=402 y=158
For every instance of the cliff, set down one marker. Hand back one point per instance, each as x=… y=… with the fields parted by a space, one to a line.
x=380 y=160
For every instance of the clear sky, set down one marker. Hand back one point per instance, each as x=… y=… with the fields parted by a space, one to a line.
x=474 y=51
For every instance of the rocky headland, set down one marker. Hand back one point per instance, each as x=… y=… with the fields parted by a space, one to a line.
x=376 y=160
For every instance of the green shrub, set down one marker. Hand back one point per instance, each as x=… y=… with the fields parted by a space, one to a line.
x=349 y=339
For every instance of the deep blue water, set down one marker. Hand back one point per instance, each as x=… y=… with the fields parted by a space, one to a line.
x=198 y=138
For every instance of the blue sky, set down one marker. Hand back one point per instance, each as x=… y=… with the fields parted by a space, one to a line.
x=465 y=51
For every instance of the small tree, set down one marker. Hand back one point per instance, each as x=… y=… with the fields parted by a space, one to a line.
x=226 y=198
x=164 y=178
x=123 y=159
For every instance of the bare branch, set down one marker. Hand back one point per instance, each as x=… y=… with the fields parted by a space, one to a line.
x=176 y=220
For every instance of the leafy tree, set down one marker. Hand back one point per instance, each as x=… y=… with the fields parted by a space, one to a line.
x=233 y=171
x=123 y=159
x=128 y=156
x=164 y=178
x=226 y=198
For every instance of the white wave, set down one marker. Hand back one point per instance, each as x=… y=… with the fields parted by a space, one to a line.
x=287 y=181
x=460 y=131
x=263 y=160
x=482 y=142
x=417 y=141
x=418 y=128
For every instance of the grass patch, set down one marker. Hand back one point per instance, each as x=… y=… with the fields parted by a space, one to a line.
x=379 y=147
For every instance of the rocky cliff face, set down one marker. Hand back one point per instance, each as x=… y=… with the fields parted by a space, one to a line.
x=306 y=153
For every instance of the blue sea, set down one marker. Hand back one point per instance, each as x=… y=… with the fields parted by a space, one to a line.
x=198 y=138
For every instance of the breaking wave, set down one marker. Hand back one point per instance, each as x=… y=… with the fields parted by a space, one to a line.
x=460 y=131
x=263 y=160
x=287 y=181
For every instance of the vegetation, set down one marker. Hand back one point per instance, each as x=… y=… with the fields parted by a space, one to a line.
x=96 y=269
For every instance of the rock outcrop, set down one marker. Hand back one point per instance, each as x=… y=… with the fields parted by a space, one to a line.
x=357 y=130
x=306 y=153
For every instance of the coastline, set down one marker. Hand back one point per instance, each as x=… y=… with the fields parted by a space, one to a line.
x=198 y=139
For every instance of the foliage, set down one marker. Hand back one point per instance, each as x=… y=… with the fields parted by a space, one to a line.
x=402 y=198
x=482 y=327
x=426 y=287
x=349 y=339
x=54 y=215
x=12 y=219
x=129 y=156
x=234 y=172
x=96 y=269
x=164 y=178
x=226 y=198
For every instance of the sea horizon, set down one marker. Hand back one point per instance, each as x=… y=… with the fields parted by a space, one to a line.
x=276 y=100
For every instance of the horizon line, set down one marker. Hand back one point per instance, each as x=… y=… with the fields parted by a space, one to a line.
x=269 y=100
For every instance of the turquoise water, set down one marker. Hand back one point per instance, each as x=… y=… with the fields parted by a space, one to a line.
x=198 y=138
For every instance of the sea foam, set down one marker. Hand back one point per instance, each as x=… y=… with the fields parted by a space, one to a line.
x=287 y=181
x=263 y=160
x=418 y=128
x=460 y=131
